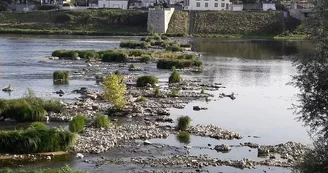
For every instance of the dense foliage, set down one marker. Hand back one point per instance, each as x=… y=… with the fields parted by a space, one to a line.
x=34 y=140
x=77 y=124
x=175 y=77
x=179 y=64
x=115 y=90
x=144 y=80
x=60 y=75
x=115 y=57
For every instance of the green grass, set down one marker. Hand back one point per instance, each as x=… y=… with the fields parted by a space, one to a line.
x=175 y=77
x=115 y=57
x=179 y=64
x=34 y=140
x=65 y=169
x=39 y=125
x=144 y=80
x=77 y=124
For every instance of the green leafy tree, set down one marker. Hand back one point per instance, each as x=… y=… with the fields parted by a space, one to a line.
x=115 y=90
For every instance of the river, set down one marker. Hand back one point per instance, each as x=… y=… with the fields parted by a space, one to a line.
x=256 y=71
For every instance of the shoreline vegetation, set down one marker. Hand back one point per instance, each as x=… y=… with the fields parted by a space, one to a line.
x=134 y=23
x=65 y=169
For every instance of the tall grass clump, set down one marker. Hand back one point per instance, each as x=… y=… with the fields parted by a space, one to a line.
x=175 y=77
x=65 y=169
x=136 y=53
x=60 y=75
x=72 y=54
x=183 y=123
x=77 y=124
x=53 y=106
x=144 y=80
x=38 y=125
x=101 y=121
x=145 y=58
x=33 y=140
x=174 y=48
x=115 y=57
x=133 y=45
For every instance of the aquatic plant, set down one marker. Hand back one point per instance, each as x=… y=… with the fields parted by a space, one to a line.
x=77 y=124
x=174 y=48
x=115 y=90
x=136 y=53
x=183 y=123
x=144 y=80
x=175 y=77
x=101 y=121
x=33 y=140
x=60 y=75
x=114 y=57
x=183 y=137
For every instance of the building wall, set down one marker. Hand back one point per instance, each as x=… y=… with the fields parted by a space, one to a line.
x=267 y=7
x=207 y=4
x=158 y=20
x=112 y=4
x=237 y=7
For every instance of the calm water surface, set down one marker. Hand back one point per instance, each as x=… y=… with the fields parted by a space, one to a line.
x=256 y=71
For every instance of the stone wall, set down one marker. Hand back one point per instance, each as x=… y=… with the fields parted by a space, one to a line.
x=158 y=20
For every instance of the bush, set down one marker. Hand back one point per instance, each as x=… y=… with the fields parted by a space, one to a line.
x=169 y=63
x=61 y=75
x=77 y=124
x=174 y=48
x=183 y=123
x=33 y=140
x=39 y=126
x=136 y=53
x=141 y=99
x=144 y=80
x=73 y=54
x=115 y=90
x=187 y=56
x=88 y=54
x=101 y=121
x=115 y=57
x=130 y=44
x=175 y=77
x=183 y=137
x=145 y=58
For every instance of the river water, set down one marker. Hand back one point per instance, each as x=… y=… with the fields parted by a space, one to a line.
x=256 y=71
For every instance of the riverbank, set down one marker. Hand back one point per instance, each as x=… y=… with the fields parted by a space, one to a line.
x=246 y=25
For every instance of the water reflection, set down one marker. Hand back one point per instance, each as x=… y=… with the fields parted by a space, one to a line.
x=183 y=137
x=251 y=49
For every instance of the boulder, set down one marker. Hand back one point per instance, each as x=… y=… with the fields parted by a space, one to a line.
x=222 y=148
x=146 y=142
x=79 y=156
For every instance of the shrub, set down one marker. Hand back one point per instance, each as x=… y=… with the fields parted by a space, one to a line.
x=33 y=140
x=77 y=124
x=174 y=48
x=115 y=57
x=88 y=54
x=141 y=99
x=73 y=54
x=187 y=56
x=175 y=77
x=169 y=63
x=115 y=90
x=61 y=75
x=39 y=125
x=145 y=58
x=202 y=91
x=144 y=80
x=130 y=44
x=183 y=137
x=183 y=123
x=101 y=121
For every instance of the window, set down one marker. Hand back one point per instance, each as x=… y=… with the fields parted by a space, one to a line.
x=197 y=4
x=216 y=5
x=222 y=5
x=206 y=4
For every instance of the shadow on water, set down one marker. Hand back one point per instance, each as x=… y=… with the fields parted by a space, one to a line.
x=250 y=49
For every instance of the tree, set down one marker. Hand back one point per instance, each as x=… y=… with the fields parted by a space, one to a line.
x=312 y=81
x=115 y=90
